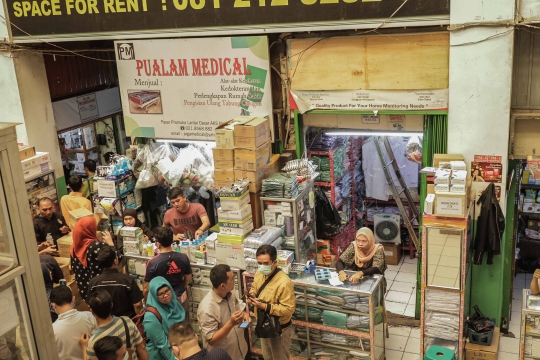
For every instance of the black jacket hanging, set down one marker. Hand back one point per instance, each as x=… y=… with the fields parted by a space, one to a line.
x=489 y=228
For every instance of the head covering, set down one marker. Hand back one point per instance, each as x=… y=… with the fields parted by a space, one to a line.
x=361 y=257
x=133 y=214
x=172 y=312
x=84 y=234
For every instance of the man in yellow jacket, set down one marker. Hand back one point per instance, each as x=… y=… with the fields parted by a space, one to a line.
x=277 y=298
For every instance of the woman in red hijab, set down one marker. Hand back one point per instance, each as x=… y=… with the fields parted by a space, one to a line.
x=363 y=256
x=84 y=252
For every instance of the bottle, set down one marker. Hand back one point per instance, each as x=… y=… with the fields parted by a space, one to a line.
x=49 y=239
x=150 y=249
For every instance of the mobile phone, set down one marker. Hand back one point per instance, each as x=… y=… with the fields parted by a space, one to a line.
x=244 y=325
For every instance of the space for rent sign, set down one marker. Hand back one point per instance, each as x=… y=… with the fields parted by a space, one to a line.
x=184 y=88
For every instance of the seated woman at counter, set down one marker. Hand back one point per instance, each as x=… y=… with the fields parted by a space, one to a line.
x=363 y=256
x=131 y=219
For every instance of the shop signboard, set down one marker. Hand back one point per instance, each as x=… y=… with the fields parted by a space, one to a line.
x=369 y=100
x=184 y=88
x=98 y=19
x=88 y=107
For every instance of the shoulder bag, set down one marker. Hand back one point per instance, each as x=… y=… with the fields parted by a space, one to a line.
x=268 y=326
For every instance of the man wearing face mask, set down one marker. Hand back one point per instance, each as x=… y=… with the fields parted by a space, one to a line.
x=185 y=345
x=220 y=313
x=277 y=298
x=70 y=324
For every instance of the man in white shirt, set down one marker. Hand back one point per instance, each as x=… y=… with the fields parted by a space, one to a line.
x=71 y=324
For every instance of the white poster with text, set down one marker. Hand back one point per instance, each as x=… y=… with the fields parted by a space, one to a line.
x=183 y=88
x=367 y=100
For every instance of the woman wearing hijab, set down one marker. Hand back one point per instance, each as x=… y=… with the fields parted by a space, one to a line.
x=363 y=256
x=84 y=252
x=161 y=297
x=131 y=219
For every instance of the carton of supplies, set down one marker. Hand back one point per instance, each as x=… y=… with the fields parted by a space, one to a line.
x=253 y=133
x=64 y=245
x=238 y=204
x=224 y=133
x=252 y=160
x=75 y=215
x=237 y=215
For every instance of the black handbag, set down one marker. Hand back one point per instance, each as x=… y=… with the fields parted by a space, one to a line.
x=268 y=326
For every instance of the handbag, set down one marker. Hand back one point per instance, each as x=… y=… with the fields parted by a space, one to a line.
x=268 y=326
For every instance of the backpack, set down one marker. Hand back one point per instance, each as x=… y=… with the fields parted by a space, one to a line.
x=328 y=219
x=138 y=321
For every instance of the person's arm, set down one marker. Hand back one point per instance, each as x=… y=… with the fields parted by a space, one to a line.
x=205 y=226
x=345 y=261
x=209 y=325
x=142 y=353
x=138 y=307
x=136 y=296
x=64 y=228
x=187 y=280
x=154 y=332
x=286 y=302
x=534 y=282
x=145 y=290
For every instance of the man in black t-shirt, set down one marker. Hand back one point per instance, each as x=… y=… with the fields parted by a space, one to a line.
x=125 y=293
x=173 y=266
x=48 y=222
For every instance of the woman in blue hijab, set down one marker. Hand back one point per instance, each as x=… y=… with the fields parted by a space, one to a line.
x=161 y=297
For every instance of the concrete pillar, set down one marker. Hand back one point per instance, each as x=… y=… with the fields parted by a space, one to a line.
x=480 y=87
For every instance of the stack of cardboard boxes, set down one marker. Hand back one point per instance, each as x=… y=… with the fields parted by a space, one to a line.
x=243 y=150
x=34 y=163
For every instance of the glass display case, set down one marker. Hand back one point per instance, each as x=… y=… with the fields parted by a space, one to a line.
x=81 y=145
x=446 y=259
x=334 y=321
x=297 y=217
x=530 y=327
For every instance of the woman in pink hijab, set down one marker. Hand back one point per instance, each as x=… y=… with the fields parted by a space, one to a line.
x=363 y=256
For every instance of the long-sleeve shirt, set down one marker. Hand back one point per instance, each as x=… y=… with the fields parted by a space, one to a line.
x=278 y=294
x=158 y=347
x=44 y=226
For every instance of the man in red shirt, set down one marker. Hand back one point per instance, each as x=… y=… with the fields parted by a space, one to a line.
x=185 y=216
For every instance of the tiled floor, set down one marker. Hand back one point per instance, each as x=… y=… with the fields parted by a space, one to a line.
x=404 y=342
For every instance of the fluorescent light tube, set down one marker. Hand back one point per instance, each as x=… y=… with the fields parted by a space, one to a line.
x=212 y=143
x=373 y=133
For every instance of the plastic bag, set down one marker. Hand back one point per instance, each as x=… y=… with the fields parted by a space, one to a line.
x=143 y=167
x=413 y=150
x=193 y=167
x=328 y=219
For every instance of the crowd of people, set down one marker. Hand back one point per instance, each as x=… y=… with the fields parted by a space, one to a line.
x=125 y=322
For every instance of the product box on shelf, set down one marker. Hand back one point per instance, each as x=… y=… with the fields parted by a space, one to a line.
x=231 y=254
x=226 y=175
x=236 y=223
x=36 y=170
x=482 y=352
x=246 y=228
x=446 y=158
x=285 y=257
x=252 y=133
x=237 y=215
x=132 y=247
x=131 y=231
x=224 y=133
x=393 y=253
x=223 y=154
x=253 y=176
x=233 y=195
x=231 y=239
x=38 y=159
x=450 y=205
x=252 y=159
x=26 y=152
x=429 y=204
x=238 y=204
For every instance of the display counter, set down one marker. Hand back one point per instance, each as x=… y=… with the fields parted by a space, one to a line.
x=332 y=320
x=529 y=348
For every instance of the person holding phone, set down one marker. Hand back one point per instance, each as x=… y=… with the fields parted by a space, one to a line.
x=221 y=314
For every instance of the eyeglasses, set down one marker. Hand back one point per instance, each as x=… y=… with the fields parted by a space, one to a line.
x=164 y=293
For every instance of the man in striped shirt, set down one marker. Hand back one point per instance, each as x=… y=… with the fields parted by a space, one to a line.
x=100 y=303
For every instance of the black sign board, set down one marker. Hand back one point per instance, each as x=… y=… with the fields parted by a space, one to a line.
x=51 y=18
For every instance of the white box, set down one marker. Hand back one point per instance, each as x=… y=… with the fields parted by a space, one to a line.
x=270 y=218
x=36 y=170
x=442 y=176
x=140 y=267
x=458 y=165
x=442 y=188
x=240 y=214
x=458 y=189
x=237 y=231
x=229 y=205
x=459 y=177
x=451 y=205
x=38 y=159
x=230 y=254
x=428 y=204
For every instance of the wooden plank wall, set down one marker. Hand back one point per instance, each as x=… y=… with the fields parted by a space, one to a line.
x=396 y=62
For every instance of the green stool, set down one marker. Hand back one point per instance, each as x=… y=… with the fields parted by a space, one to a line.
x=439 y=353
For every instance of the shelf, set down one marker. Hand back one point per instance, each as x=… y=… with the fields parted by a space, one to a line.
x=364 y=335
x=529 y=186
x=323 y=153
x=258 y=351
x=529 y=214
x=344 y=310
x=329 y=184
x=403 y=226
x=341 y=347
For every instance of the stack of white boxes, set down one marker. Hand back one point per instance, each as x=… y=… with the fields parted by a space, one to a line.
x=450 y=197
x=133 y=240
x=235 y=224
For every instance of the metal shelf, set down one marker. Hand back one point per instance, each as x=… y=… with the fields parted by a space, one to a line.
x=529 y=186
x=529 y=214
x=342 y=347
x=344 y=310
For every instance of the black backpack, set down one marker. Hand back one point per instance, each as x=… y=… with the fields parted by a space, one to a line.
x=328 y=219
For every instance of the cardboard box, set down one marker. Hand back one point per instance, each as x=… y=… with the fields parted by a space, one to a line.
x=223 y=154
x=482 y=352
x=256 y=212
x=273 y=166
x=253 y=176
x=450 y=205
x=38 y=159
x=224 y=164
x=232 y=255
x=36 y=170
x=253 y=133
x=326 y=260
x=225 y=132
x=429 y=203
x=229 y=205
x=438 y=158
x=226 y=175
x=234 y=215
x=75 y=215
x=252 y=159
x=74 y=289
x=231 y=239
x=255 y=186
x=64 y=244
x=64 y=263
x=131 y=231
x=244 y=230
x=285 y=257
x=26 y=152
x=393 y=253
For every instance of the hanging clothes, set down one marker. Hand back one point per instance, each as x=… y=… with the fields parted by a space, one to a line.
x=490 y=227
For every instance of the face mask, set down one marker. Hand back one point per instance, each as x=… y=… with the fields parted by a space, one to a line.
x=126 y=357
x=265 y=269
